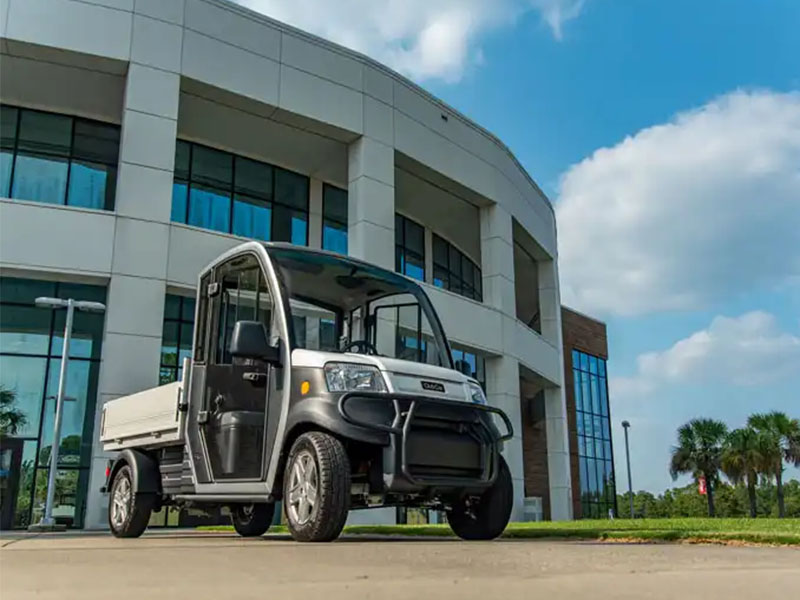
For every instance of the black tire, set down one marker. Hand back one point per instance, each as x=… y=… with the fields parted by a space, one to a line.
x=487 y=518
x=252 y=520
x=128 y=512
x=324 y=520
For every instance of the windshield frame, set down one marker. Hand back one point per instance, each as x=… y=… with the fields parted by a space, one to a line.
x=405 y=284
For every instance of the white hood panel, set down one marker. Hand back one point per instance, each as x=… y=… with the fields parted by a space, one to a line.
x=403 y=376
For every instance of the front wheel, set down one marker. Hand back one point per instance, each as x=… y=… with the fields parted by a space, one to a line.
x=484 y=517
x=128 y=511
x=316 y=488
x=252 y=520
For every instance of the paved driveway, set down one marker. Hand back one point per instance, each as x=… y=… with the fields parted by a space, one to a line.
x=195 y=565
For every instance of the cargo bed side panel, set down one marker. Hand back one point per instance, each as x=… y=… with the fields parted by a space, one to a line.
x=148 y=419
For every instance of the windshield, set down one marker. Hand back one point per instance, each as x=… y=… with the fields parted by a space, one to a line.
x=339 y=305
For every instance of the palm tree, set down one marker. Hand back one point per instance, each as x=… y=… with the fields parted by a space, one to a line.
x=746 y=453
x=699 y=452
x=11 y=418
x=783 y=437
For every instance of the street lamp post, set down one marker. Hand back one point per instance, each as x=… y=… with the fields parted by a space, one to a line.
x=626 y=425
x=47 y=522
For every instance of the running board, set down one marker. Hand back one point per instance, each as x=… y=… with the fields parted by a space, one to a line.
x=225 y=498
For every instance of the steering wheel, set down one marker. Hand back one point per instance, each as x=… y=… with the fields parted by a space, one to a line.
x=361 y=347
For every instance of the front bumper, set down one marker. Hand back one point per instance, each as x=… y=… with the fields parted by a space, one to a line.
x=434 y=444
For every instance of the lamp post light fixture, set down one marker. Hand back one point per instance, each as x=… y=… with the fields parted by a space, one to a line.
x=626 y=425
x=47 y=523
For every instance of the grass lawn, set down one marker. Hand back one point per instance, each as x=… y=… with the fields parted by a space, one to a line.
x=757 y=531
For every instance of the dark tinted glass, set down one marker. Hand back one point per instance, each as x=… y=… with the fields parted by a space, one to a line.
x=291 y=189
x=253 y=178
x=212 y=167
x=8 y=126
x=182 y=151
x=96 y=142
x=44 y=132
x=439 y=251
x=415 y=237
x=334 y=204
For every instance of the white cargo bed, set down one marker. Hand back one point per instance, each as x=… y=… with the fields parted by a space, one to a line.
x=148 y=419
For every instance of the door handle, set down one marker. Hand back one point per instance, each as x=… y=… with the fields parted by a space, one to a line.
x=254 y=377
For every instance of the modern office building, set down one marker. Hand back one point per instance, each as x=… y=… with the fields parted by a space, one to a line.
x=141 y=138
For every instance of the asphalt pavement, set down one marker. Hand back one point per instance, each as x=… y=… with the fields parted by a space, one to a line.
x=188 y=564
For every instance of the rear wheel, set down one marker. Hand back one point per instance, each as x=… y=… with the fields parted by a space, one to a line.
x=484 y=517
x=316 y=488
x=252 y=520
x=128 y=511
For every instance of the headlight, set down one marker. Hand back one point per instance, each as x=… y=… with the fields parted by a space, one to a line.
x=349 y=377
x=476 y=392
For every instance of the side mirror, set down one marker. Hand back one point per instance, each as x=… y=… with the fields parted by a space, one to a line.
x=249 y=340
x=464 y=368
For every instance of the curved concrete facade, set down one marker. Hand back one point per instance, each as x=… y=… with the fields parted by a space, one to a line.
x=211 y=72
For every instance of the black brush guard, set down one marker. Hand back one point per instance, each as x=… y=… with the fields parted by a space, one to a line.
x=400 y=430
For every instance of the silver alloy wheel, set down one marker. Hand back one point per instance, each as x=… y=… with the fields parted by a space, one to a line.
x=303 y=488
x=120 y=503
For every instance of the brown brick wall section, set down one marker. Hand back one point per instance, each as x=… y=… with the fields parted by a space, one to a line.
x=534 y=451
x=587 y=335
x=579 y=333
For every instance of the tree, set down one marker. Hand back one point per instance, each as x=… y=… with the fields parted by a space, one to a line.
x=745 y=453
x=699 y=452
x=782 y=436
x=12 y=419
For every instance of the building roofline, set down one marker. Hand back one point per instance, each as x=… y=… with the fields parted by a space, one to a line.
x=363 y=58
x=582 y=314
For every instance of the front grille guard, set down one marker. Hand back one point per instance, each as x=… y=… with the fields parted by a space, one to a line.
x=400 y=429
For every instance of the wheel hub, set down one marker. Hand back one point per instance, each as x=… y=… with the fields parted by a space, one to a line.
x=120 y=502
x=303 y=488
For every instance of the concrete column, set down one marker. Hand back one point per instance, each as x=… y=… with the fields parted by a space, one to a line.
x=315 y=214
x=497 y=259
x=134 y=316
x=502 y=391
x=502 y=373
x=371 y=187
x=555 y=402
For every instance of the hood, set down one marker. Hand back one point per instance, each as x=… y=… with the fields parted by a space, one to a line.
x=403 y=376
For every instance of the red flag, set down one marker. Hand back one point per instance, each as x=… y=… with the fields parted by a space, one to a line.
x=701 y=486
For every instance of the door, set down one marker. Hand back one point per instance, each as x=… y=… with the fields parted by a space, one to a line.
x=234 y=417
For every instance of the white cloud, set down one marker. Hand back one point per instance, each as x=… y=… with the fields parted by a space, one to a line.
x=424 y=39
x=746 y=350
x=686 y=213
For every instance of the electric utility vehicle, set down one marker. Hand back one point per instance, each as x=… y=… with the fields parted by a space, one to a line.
x=318 y=380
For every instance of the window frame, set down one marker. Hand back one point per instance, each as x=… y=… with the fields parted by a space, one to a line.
x=596 y=433
x=110 y=190
x=477 y=274
x=51 y=355
x=402 y=249
x=232 y=191
x=326 y=219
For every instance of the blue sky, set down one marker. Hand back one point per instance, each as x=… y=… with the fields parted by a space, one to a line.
x=667 y=135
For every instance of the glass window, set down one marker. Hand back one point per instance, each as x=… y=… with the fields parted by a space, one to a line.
x=40 y=178
x=594 y=433
x=58 y=159
x=176 y=341
x=454 y=271
x=30 y=360
x=409 y=248
x=217 y=190
x=476 y=361
x=334 y=219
